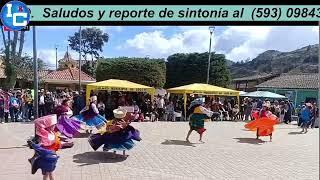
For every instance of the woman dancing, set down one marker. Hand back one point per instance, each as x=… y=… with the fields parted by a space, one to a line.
x=118 y=134
x=48 y=142
x=198 y=114
x=263 y=122
x=90 y=115
x=67 y=125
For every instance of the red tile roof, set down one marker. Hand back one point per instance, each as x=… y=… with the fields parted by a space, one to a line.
x=70 y=74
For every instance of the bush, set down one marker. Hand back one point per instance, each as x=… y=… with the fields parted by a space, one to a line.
x=150 y=72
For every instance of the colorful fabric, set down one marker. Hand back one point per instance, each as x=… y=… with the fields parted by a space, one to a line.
x=47 y=137
x=68 y=126
x=90 y=111
x=197 y=121
x=6 y=99
x=305 y=115
x=264 y=125
x=119 y=140
x=97 y=121
x=55 y=146
x=43 y=159
x=255 y=114
x=198 y=117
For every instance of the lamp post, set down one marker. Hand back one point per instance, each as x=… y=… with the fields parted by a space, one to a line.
x=35 y=74
x=80 y=60
x=211 y=29
x=56 y=47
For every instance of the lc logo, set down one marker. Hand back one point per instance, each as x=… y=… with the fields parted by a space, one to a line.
x=15 y=15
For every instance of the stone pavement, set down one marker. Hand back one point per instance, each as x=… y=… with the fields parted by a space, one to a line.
x=230 y=152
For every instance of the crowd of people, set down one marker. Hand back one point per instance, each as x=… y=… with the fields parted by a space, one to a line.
x=18 y=106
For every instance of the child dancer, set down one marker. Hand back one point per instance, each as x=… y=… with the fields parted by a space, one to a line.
x=48 y=142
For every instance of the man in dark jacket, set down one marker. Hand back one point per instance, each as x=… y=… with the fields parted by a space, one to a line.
x=78 y=103
x=49 y=103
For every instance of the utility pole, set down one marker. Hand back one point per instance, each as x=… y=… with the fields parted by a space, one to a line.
x=211 y=29
x=35 y=74
x=80 y=60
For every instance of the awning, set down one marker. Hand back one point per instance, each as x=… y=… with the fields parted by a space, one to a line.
x=205 y=89
x=118 y=85
x=264 y=94
x=242 y=93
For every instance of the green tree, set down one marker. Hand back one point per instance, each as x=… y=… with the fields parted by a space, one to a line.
x=150 y=72
x=93 y=40
x=12 y=55
x=89 y=69
x=183 y=69
x=25 y=66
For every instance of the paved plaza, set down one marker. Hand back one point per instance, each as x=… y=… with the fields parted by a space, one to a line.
x=229 y=152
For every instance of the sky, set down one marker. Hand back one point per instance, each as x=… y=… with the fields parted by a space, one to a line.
x=236 y=42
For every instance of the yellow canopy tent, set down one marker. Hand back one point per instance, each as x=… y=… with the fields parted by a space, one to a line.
x=118 y=85
x=205 y=89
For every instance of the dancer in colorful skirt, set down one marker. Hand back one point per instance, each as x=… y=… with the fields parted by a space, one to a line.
x=90 y=115
x=117 y=135
x=48 y=142
x=263 y=122
x=67 y=125
x=198 y=114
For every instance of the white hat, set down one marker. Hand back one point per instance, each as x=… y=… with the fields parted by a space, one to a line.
x=119 y=113
x=93 y=98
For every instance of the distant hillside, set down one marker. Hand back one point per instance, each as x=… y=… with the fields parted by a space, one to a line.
x=304 y=60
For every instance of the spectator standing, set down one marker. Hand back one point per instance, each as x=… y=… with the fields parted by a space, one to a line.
x=1 y=108
x=160 y=107
x=20 y=99
x=170 y=111
x=101 y=107
x=242 y=108
x=306 y=117
x=49 y=103
x=235 y=112
x=282 y=111
x=14 y=108
x=287 y=115
x=109 y=107
x=248 y=109
x=76 y=103
x=314 y=114
x=276 y=108
x=41 y=104
x=259 y=104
